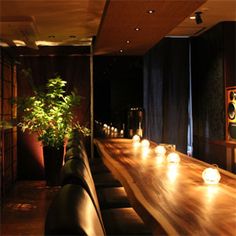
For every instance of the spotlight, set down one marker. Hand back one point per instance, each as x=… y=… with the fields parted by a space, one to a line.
x=198 y=17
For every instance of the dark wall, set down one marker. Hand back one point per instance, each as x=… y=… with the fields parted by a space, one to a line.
x=118 y=85
x=166 y=86
x=230 y=53
x=213 y=67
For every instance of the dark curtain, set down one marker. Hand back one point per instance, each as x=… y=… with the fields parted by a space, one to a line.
x=166 y=92
x=36 y=70
x=208 y=95
x=118 y=85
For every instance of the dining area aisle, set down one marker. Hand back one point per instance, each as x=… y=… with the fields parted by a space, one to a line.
x=25 y=209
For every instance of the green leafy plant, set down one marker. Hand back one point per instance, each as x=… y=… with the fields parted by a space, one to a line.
x=49 y=113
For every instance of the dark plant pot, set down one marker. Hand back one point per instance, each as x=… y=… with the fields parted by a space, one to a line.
x=53 y=159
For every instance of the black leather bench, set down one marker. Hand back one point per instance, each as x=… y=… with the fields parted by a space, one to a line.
x=77 y=209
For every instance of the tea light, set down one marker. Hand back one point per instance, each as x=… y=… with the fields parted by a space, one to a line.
x=136 y=138
x=211 y=175
x=173 y=158
x=145 y=143
x=160 y=150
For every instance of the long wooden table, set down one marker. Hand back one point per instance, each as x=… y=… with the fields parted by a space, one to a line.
x=172 y=196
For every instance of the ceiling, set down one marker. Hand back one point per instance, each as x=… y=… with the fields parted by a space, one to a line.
x=111 y=23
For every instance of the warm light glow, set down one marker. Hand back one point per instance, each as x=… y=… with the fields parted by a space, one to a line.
x=160 y=150
x=145 y=152
x=211 y=175
x=145 y=143
x=136 y=141
x=150 y=11
x=172 y=173
x=47 y=43
x=211 y=192
x=173 y=158
x=19 y=43
x=136 y=138
x=192 y=17
x=3 y=44
x=160 y=159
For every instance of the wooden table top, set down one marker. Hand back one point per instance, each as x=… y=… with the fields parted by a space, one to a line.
x=173 y=196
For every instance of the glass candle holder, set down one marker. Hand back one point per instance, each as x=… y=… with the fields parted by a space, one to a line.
x=145 y=143
x=173 y=157
x=160 y=150
x=211 y=175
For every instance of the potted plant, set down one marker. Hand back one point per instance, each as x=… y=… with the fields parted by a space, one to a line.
x=49 y=114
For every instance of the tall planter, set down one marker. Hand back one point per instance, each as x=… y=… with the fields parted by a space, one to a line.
x=53 y=159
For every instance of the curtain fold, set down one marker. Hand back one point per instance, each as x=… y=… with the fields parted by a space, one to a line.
x=166 y=83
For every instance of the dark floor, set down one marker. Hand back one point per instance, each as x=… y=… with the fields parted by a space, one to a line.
x=25 y=208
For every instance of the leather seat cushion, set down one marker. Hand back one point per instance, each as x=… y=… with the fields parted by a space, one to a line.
x=114 y=197
x=104 y=180
x=124 y=221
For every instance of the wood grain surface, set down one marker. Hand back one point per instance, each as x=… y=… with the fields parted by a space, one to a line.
x=170 y=195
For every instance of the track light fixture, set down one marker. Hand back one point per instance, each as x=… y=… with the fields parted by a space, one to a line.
x=198 y=17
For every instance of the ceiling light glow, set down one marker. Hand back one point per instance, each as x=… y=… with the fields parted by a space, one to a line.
x=19 y=43
x=150 y=11
x=3 y=44
x=47 y=43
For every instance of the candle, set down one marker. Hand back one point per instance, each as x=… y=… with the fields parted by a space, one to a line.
x=145 y=143
x=160 y=150
x=211 y=176
x=136 y=138
x=173 y=158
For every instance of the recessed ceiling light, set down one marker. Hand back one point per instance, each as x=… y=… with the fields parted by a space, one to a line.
x=192 y=17
x=137 y=28
x=150 y=11
x=127 y=41
x=121 y=50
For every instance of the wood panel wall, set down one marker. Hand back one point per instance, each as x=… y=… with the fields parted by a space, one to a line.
x=8 y=141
